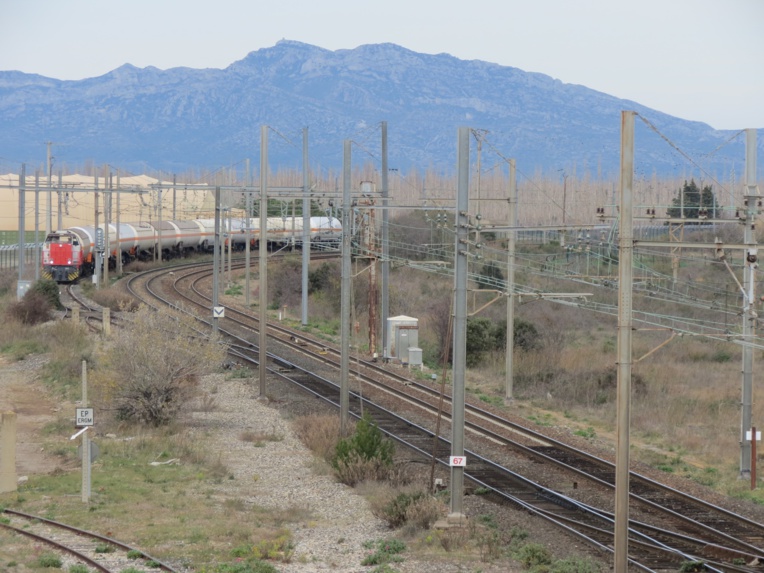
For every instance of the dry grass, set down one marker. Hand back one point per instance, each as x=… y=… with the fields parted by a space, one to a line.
x=320 y=433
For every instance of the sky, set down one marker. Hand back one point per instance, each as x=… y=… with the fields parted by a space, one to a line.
x=700 y=60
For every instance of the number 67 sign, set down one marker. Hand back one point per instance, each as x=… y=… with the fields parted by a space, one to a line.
x=457 y=461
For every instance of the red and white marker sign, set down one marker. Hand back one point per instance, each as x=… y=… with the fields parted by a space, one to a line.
x=457 y=461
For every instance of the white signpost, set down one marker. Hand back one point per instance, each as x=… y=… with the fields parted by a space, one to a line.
x=457 y=461
x=84 y=418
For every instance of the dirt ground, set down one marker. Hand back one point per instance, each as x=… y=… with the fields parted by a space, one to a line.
x=22 y=392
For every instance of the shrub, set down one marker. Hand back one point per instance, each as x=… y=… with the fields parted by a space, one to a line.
x=114 y=299
x=532 y=555
x=50 y=290
x=49 y=561
x=395 y=511
x=367 y=454
x=79 y=568
x=424 y=511
x=34 y=308
x=386 y=552
x=151 y=372
x=252 y=566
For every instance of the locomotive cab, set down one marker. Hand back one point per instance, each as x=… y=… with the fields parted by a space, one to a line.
x=62 y=256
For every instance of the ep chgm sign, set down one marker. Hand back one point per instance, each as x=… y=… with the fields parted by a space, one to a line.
x=83 y=417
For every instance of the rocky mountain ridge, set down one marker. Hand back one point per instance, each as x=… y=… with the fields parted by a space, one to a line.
x=183 y=118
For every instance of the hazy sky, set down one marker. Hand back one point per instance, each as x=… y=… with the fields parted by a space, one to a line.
x=701 y=60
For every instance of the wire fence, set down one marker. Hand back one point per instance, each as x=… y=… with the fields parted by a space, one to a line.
x=9 y=255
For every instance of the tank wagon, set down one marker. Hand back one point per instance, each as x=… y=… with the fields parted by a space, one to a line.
x=70 y=253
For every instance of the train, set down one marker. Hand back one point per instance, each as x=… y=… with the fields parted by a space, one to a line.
x=70 y=253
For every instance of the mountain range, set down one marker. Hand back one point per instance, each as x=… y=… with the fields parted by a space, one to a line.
x=142 y=119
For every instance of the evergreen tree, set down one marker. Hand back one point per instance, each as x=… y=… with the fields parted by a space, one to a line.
x=697 y=202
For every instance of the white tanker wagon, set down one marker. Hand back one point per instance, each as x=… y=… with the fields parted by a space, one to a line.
x=71 y=253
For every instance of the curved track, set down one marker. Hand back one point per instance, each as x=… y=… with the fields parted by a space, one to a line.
x=102 y=553
x=681 y=529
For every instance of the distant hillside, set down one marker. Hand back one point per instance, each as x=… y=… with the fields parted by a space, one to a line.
x=181 y=118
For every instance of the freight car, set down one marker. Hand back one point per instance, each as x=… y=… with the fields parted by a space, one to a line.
x=71 y=253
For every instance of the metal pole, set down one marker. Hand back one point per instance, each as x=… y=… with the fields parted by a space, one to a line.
x=385 y=310
x=305 y=225
x=345 y=293
x=625 y=272
x=749 y=316
x=263 y=247
x=510 y=336
x=456 y=514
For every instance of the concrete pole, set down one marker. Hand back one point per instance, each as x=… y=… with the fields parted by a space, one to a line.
x=511 y=238
x=93 y=249
x=119 y=241
x=37 y=256
x=107 y=229
x=625 y=272
x=385 y=302
x=159 y=226
x=345 y=325
x=22 y=219
x=85 y=439
x=8 y=479
x=60 y=200
x=749 y=315
x=216 y=262
x=247 y=247
x=456 y=514
x=305 y=225
x=263 y=252
x=247 y=241
x=174 y=197
x=49 y=218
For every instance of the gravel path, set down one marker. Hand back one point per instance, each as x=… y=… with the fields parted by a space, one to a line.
x=279 y=476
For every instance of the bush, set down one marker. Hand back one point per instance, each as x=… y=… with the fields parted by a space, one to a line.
x=34 y=308
x=386 y=552
x=532 y=555
x=49 y=561
x=395 y=512
x=151 y=372
x=79 y=568
x=50 y=290
x=367 y=454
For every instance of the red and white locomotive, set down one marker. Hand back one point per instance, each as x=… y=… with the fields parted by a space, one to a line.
x=71 y=253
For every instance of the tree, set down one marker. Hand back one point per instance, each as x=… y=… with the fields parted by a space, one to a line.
x=151 y=371
x=697 y=202
x=490 y=276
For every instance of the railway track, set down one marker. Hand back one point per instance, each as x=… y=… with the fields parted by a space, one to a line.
x=78 y=546
x=681 y=528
